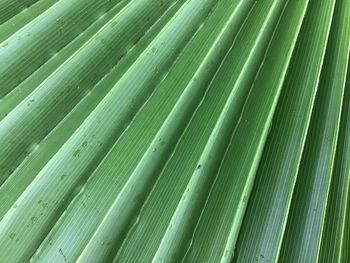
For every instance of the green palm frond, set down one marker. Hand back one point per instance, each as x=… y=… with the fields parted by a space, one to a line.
x=174 y=131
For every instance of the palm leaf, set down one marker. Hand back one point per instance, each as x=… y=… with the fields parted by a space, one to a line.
x=317 y=163
x=174 y=130
x=263 y=228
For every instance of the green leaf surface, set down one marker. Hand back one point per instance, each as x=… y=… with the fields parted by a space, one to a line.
x=174 y=131
x=9 y=8
x=335 y=238
x=18 y=21
x=302 y=240
x=264 y=223
x=25 y=173
x=232 y=195
x=50 y=31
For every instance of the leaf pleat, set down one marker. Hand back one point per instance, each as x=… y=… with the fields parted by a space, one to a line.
x=174 y=131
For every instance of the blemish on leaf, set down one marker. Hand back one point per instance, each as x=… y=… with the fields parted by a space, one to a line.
x=61 y=252
x=154 y=50
x=33 y=219
x=76 y=153
x=13 y=236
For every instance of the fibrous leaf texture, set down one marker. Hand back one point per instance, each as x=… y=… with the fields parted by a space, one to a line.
x=174 y=131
